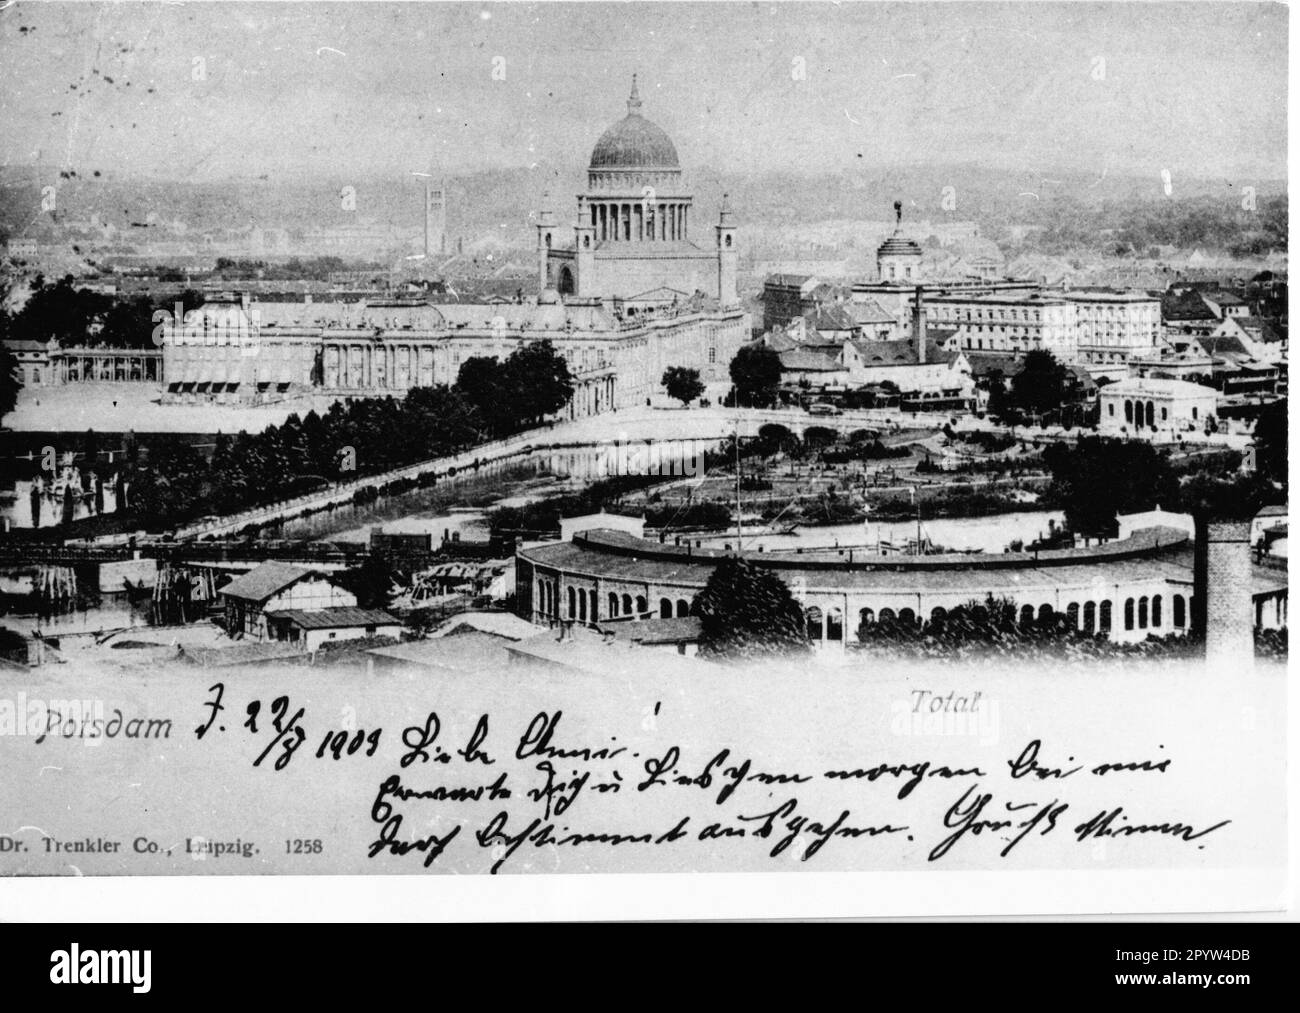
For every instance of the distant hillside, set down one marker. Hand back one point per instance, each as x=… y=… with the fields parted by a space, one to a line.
x=1025 y=210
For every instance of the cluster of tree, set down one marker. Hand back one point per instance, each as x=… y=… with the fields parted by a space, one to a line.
x=989 y=442
x=173 y=482
x=531 y=384
x=543 y=516
x=870 y=450
x=1042 y=386
x=10 y=383
x=704 y=514
x=74 y=316
x=1098 y=478
x=293 y=269
x=1271 y=442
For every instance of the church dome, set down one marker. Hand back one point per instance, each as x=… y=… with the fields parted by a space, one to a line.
x=634 y=142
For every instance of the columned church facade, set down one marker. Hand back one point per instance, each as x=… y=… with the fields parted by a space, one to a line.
x=635 y=232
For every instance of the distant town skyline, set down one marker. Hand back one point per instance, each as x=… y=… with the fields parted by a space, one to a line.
x=207 y=91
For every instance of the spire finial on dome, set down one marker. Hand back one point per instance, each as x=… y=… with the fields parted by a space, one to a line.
x=634 y=100
x=898 y=212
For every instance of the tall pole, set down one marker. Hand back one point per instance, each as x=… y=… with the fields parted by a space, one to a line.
x=917 y=503
x=738 y=520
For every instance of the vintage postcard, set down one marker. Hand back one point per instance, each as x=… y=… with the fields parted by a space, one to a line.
x=518 y=439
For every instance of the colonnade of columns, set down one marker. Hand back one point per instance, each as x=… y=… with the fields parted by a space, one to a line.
x=353 y=365
x=639 y=221
x=88 y=365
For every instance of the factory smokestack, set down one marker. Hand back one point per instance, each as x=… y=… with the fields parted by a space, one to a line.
x=918 y=326
x=1222 y=606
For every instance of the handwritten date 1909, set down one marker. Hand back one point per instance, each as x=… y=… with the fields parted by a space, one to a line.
x=288 y=731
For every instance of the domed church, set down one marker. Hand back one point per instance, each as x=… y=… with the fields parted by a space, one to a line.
x=635 y=238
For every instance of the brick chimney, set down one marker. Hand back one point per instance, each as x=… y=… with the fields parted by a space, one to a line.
x=1222 y=607
x=918 y=326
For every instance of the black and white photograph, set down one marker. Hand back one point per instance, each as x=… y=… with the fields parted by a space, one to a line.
x=671 y=450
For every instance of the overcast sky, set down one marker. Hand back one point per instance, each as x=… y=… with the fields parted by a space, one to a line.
x=1199 y=89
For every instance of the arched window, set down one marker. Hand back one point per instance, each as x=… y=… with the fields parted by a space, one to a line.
x=1180 y=611
x=627 y=603
x=1027 y=616
x=665 y=608
x=937 y=616
x=1144 y=607
x=642 y=606
x=1104 y=622
x=1128 y=613
x=834 y=624
x=886 y=616
x=595 y=610
x=1128 y=411
x=1045 y=614
x=573 y=604
x=1151 y=414
x=1090 y=616
x=1072 y=615
x=582 y=606
x=813 y=616
x=907 y=617
x=683 y=608
x=865 y=618
x=613 y=604
x=1156 y=610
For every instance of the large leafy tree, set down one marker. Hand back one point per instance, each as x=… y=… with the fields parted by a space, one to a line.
x=480 y=382
x=747 y=610
x=1271 y=442
x=538 y=380
x=756 y=376
x=1041 y=385
x=682 y=384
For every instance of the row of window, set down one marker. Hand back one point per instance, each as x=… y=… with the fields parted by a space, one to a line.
x=1091 y=617
x=1145 y=612
x=584 y=605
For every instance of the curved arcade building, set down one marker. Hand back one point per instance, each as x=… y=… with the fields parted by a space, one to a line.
x=1129 y=589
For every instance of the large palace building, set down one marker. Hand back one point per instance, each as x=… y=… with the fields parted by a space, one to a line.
x=632 y=297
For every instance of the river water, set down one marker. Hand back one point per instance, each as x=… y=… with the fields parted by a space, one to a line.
x=962 y=534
